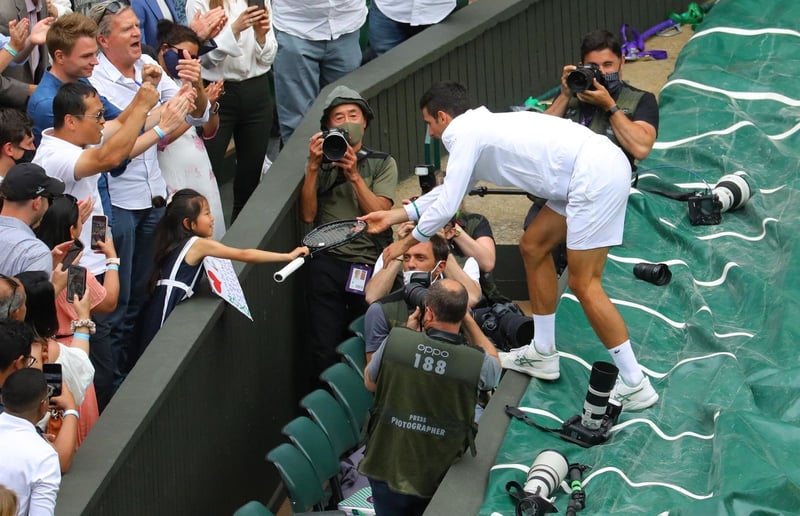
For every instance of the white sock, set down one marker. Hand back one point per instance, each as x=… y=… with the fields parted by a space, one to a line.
x=544 y=333
x=625 y=360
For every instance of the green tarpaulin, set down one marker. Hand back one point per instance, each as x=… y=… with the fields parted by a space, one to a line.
x=720 y=341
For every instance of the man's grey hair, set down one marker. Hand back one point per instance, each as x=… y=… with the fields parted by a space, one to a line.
x=11 y=303
x=102 y=18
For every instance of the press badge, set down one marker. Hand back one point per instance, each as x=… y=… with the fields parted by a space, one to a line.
x=358 y=278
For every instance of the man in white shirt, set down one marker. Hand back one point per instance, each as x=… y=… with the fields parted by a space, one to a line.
x=70 y=152
x=138 y=195
x=30 y=465
x=393 y=21
x=586 y=180
x=317 y=45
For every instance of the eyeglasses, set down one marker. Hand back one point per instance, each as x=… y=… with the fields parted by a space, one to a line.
x=100 y=115
x=181 y=50
x=14 y=285
x=115 y=7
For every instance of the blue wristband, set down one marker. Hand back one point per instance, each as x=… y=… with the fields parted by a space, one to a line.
x=112 y=267
x=10 y=50
x=160 y=132
x=84 y=336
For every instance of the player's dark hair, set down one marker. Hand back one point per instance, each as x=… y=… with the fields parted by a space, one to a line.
x=447 y=96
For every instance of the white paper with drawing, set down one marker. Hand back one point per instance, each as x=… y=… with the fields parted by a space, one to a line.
x=225 y=284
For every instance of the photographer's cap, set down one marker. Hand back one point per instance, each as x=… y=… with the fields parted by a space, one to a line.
x=27 y=181
x=344 y=95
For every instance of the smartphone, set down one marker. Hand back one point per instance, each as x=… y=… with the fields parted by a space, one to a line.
x=171 y=58
x=52 y=373
x=257 y=3
x=74 y=250
x=76 y=282
x=99 y=225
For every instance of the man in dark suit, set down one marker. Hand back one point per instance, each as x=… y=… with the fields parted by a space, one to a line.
x=149 y=13
x=18 y=82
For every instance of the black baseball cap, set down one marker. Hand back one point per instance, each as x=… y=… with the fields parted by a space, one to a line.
x=27 y=181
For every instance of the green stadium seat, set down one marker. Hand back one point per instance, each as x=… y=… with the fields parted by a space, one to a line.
x=299 y=477
x=253 y=508
x=353 y=350
x=348 y=387
x=357 y=326
x=310 y=438
x=331 y=417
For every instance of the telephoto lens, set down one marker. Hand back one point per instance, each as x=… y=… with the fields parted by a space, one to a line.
x=601 y=382
x=733 y=192
x=656 y=273
x=334 y=144
x=548 y=470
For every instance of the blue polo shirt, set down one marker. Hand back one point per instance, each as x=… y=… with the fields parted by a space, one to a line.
x=40 y=105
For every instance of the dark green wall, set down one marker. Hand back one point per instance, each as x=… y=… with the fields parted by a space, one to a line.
x=188 y=431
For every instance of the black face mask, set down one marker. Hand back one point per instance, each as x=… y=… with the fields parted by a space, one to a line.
x=27 y=156
x=613 y=82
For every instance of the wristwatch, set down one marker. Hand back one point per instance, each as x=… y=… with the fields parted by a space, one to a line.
x=613 y=110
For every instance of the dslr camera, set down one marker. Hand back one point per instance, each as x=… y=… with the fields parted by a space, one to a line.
x=416 y=289
x=582 y=78
x=334 y=144
x=505 y=325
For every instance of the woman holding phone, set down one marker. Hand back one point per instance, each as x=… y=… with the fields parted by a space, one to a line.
x=246 y=48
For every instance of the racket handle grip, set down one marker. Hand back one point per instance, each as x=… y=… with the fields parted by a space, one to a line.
x=289 y=269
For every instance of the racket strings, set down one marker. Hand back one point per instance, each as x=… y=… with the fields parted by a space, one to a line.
x=334 y=233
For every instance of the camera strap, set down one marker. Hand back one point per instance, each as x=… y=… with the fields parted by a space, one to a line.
x=516 y=413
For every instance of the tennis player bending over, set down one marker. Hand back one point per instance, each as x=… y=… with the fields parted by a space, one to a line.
x=586 y=179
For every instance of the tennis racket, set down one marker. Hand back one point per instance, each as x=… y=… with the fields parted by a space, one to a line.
x=325 y=237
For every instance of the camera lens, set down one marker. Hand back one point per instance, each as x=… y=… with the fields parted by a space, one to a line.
x=601 y=381
x=656 y=273
x=733 y=191
x=580 y=80
x=415 y=295
x=334 y=145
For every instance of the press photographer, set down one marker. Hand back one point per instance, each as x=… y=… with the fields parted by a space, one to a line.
x=414 y=436
x=426 y=263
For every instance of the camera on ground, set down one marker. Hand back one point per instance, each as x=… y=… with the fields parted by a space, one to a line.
x=505 y=325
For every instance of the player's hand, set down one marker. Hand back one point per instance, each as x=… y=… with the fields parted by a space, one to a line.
x=378 y=222
x=405 y=229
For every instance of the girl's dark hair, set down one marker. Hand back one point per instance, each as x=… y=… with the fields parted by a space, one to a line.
x=57 y=221
x=41 y=303
x=170 y=232
x=171 y=33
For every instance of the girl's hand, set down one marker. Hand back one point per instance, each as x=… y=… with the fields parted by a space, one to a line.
x=247 y=19
x=298 y=252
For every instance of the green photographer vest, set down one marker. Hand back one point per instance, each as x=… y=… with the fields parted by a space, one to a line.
x=422 y=420
x=395 y=308
x=627 y=101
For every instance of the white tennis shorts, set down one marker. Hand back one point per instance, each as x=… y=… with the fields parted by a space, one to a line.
x=597 y=196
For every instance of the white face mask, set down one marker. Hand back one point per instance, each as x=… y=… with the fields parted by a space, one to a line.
x=431 y=278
